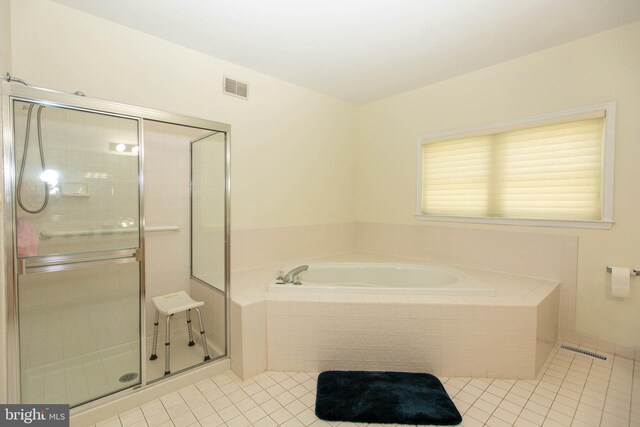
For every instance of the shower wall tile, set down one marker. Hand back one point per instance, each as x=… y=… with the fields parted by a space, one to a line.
x=166 y=199
x=213 y=315
x=77 y=146
x=100 y=306
x=208 y=262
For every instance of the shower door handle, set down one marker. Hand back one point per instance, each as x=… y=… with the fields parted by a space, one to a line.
x=46 y=264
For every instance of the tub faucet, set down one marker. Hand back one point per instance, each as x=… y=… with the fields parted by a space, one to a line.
x=292 y=275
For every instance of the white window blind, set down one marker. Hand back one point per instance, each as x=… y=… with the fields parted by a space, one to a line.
x=456 y=177
x=551 y=171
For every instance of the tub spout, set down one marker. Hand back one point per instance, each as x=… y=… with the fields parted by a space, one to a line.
x=292 y=275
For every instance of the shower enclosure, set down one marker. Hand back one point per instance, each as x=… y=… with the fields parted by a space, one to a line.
x=106 y=206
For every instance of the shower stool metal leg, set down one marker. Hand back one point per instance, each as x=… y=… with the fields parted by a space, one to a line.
x=191 y=342
x=167 y=344
x=155 y=336
x=204 y=338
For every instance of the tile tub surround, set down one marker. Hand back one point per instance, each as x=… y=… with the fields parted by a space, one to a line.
x=248 y=338
x=500 y=337
x=248 y=324
x=249 y=291
x=253 y=248
x=546 y=256
x=249 y=320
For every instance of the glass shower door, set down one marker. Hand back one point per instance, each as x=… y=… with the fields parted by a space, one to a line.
x=78 y=252
x=208 y=210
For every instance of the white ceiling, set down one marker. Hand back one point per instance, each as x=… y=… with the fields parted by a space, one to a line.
x=363 y=50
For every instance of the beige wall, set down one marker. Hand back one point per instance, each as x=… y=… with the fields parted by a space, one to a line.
x=300 y=158
x=601 y=68
x=5 y=37
x=292 y=148
x=5 y=66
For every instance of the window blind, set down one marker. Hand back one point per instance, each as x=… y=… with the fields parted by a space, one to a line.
x=456 y=177
x=551 y=171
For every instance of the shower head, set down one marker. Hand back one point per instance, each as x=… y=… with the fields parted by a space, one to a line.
x=11 y=79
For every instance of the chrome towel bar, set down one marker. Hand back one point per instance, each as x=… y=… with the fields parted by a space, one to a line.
x=104 y=231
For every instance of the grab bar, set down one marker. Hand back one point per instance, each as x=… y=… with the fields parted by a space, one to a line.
x=104 y=231
x=163 y=228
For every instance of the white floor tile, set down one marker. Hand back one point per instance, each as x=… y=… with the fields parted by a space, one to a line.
x=572 y=391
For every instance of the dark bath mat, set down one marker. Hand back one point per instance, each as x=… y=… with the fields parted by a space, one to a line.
x=384 y=397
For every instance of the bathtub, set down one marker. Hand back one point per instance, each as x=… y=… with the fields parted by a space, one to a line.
x=385 y=278
x=412 y=318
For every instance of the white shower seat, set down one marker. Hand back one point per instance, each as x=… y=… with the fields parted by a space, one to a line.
x=168 y=305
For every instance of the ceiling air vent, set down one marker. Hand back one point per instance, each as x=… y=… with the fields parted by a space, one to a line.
x=235 y=88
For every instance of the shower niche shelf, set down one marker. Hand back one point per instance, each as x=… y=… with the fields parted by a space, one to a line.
x=74 y=189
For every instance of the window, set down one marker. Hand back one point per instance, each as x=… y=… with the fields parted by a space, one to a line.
x=548 y=170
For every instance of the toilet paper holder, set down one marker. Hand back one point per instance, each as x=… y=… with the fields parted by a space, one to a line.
x=634 y=272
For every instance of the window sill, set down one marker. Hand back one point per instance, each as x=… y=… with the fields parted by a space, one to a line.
x=599 y=224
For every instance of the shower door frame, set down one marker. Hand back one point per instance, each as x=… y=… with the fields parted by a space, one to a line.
x=10 y=92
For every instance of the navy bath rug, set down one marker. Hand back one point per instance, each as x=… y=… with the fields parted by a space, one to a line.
x=384 y=397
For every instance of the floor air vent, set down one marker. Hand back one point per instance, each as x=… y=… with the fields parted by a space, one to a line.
x=583 y=352
x=236 y=88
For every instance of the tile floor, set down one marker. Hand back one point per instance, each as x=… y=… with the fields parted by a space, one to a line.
x=181 y=357
x=572 y=390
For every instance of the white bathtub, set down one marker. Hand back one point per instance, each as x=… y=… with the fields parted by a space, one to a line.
x=385 y=278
